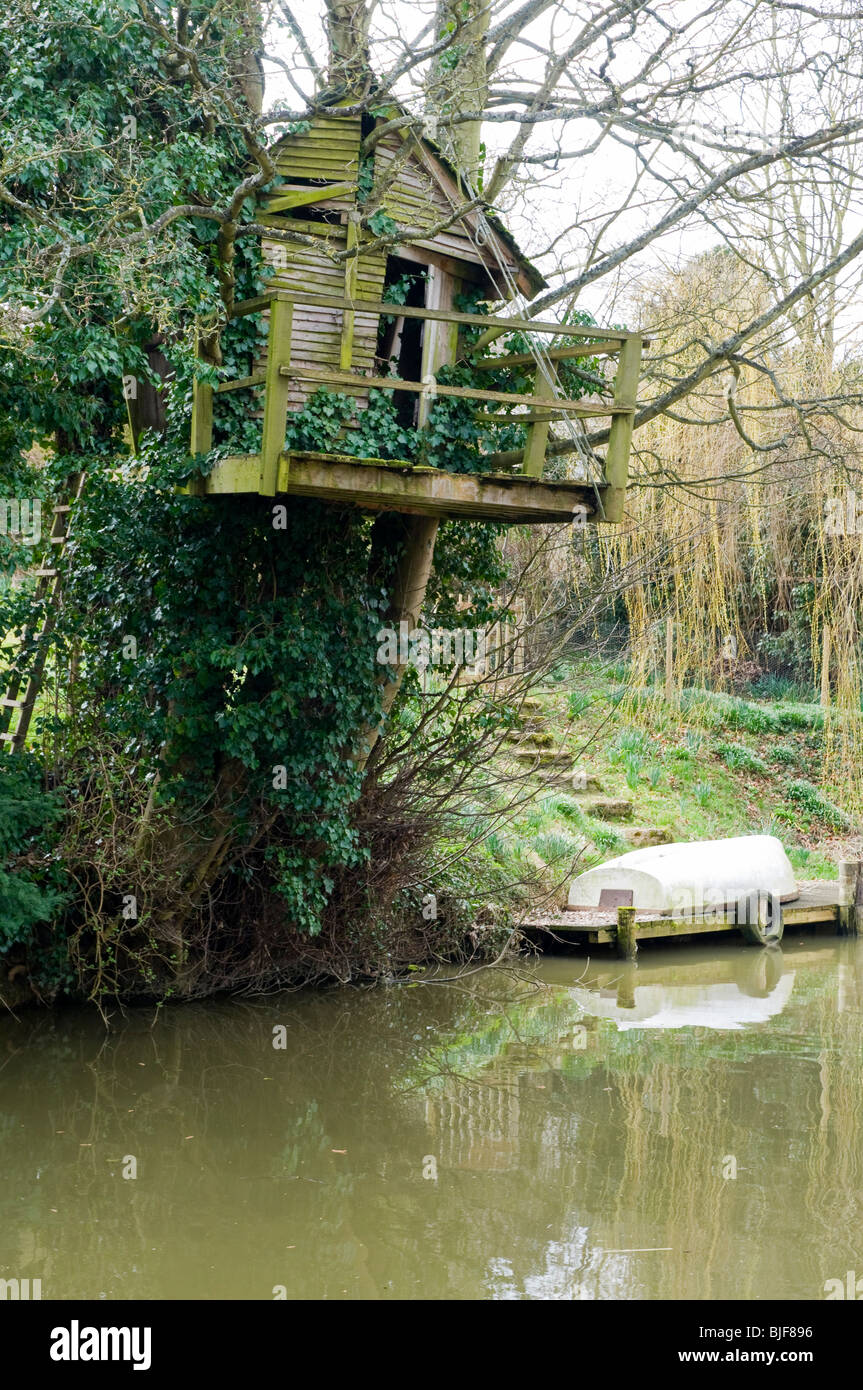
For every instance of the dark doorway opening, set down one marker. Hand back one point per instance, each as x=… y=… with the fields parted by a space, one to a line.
x=400 y=340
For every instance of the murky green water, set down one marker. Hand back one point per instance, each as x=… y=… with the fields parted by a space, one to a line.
x=572 y=1134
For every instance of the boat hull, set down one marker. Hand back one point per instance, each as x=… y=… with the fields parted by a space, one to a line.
x=692 y=878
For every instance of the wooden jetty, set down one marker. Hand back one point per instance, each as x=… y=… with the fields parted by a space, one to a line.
x=819 y=903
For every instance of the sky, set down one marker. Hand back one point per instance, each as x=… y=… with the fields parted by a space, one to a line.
x=561 y=209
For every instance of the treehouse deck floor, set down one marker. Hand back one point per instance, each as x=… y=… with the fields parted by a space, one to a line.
x=817 y=902
x=378 y=485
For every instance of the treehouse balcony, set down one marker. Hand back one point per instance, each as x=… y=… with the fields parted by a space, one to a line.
x=354 y=346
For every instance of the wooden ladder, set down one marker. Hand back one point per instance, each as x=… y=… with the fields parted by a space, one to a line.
x=16 y=710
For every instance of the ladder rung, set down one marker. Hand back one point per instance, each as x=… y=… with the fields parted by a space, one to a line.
x=64 y=507
x=57 y=540
x=8 y=737
x=12 y=704
x=45 y=574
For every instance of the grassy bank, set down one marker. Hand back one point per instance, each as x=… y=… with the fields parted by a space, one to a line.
x=704 y=765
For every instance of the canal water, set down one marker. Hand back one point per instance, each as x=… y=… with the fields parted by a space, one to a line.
x=688 y=1128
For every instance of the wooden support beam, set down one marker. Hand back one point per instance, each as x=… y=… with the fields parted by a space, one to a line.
x=256 y=379
x=400 y=487
x=537 y=434
x=277 y=394
x=379 y=306
x=202 y=418
x=346 y=345
x=620 y=434
x=393 y=383
x=561 y=354
x=301 y=197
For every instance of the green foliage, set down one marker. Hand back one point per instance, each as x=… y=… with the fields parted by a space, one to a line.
x=784 y=754
x=740 y=758
x=379 y=433
x=271 y=666
x=630 y=743
x=92 y=133
x=381 y=224
x=320 y=424
x=703 y=793
x=32 y=887
x=578 y=702
x=730 y=712
x=816 y=804
x=633 y=763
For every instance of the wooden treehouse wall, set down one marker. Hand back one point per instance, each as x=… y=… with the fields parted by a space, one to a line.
x=330 y=150
x=419 y=193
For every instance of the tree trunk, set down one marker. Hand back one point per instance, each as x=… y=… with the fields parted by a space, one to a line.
x=416 y=536
x=459 y=80
x=349 y=67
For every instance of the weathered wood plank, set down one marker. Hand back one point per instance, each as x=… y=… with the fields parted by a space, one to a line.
x=346 y=345
x=250 y=306
x=276 y=399
x=537 y=434
x=240 y=382
x=376 y=485
x=390 y=383
x=202 y=418
x=620 y=434
x=561 y=354
x=301 y=197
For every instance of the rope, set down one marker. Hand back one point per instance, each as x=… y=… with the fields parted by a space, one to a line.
x=483 y=238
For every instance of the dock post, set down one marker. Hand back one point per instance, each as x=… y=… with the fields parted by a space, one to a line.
x=849 y=878
x=627 y=946
x=626 y=981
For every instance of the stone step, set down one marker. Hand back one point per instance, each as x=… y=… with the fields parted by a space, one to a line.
x=526 y=738
x=542 y=758
x=643 y=836
x=530 y=726
x=566 y=781
x=608 y=807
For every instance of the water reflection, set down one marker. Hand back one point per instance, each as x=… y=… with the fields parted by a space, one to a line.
x=566 y=1133
x=758 y=989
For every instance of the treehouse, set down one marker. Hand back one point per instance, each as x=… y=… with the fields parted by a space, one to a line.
x=361 y=303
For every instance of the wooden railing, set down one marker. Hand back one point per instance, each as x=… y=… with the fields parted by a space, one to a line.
x=542 y=404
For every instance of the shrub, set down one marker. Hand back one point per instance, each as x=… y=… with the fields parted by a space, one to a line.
x=740 y=758
x=782 y=753
x=31 y=879
x=807 y=796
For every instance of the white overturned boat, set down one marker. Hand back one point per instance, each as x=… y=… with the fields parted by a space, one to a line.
x=749 y=875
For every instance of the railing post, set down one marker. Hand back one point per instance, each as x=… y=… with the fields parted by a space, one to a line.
x=201 y=436
x=201 y=441
x=620 y=434
x=346 y=345
x=537 y=434
x=277 y=392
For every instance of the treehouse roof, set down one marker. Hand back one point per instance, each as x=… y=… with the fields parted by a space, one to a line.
x=422 y=191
